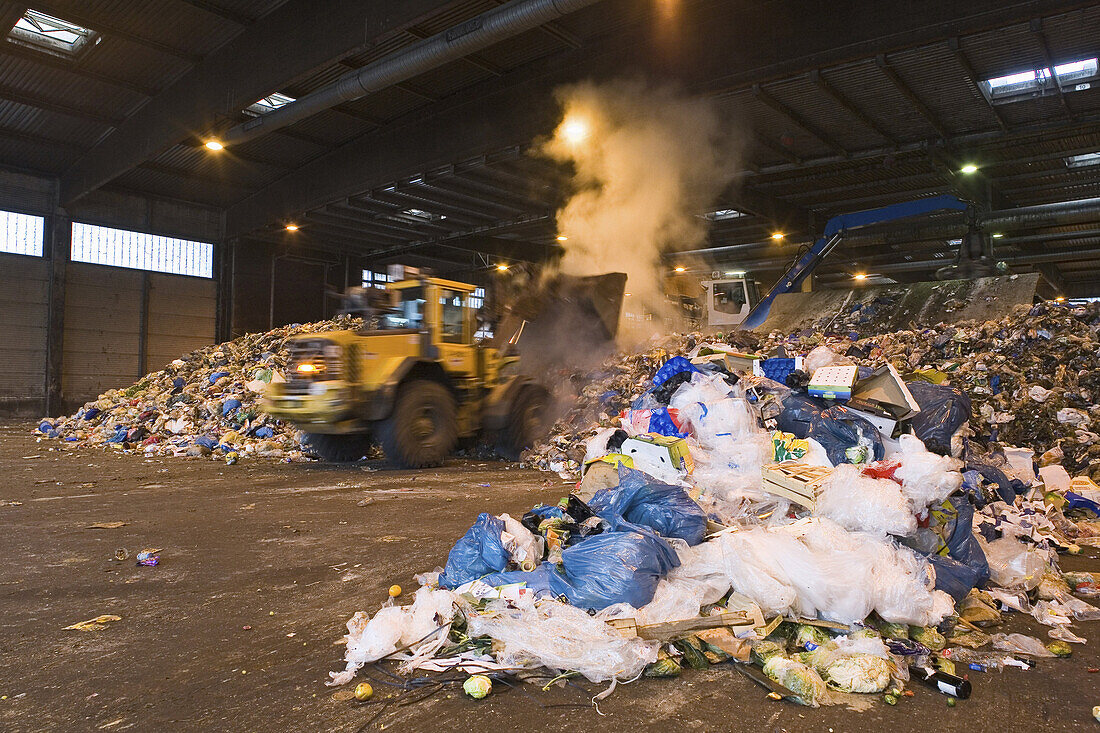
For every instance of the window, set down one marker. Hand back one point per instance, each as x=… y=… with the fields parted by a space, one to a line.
x=376 y=279
x=22 y=233
x=409 y=312
x=140 y=251
x=269 y=103
x=423 y=215
x=724 y=214
x=729 y=297
x=477 y=298
x=453 y=316
x=1069 y=77
x=54 y=36
x=1085 y=159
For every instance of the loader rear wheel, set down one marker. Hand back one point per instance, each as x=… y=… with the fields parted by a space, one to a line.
x=422 y=429
x=338 y=448
x=528 y=420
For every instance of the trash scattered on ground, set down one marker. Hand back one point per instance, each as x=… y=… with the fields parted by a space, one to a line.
x=94 y=624
x=149 y=557
x=850 y=531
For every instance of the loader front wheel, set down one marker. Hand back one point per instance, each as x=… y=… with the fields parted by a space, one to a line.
x=338 y=448
x=528 y=421
x=422 y=429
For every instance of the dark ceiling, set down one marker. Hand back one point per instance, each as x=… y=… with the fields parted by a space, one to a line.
x=845 y=107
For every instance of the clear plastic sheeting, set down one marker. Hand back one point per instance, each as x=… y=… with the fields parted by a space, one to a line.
x=814 y=568
x=561 y=637
x=422 y=627
x=861 y=503
x=926 y=478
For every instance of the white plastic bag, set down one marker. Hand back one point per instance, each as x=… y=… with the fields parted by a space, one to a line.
x=525 y=547
x=1020 y=644
x=926 y=478
x=861 y=503
x=1013 y=564
x=371 y=639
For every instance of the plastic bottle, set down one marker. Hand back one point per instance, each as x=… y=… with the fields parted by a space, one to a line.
x=985 y=661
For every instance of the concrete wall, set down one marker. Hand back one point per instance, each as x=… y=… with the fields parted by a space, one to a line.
x=24 y=288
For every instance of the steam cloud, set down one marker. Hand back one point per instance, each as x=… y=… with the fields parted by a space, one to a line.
x=648 y=160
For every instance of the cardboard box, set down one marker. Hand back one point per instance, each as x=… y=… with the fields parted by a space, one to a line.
x=833 y=382
x=886 y=390
x=658 y=454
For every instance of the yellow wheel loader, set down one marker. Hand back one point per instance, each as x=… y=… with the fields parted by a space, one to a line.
x=414 y=379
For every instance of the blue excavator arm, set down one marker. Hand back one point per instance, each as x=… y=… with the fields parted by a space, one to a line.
x=835 y=229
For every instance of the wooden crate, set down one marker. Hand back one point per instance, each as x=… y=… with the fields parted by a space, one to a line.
x=798 y=482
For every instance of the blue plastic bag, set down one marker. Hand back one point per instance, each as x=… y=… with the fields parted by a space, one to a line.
x=954 y=578
x=798 y=413
x=477 y=553
x=673 y=366
x=602 y=570
x=660 y=421
x=642 y=500
x=962 y=545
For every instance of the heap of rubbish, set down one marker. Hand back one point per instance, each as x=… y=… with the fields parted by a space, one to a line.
x=206 y=403
x=826 y=514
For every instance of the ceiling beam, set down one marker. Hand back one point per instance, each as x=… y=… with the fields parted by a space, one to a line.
x=907 y=92
x=763 y=96
x=220 y=12
x=972 y=81
x=60 y=64
x=311 y=34
x=70 y=11
x=29 y=99
x=1037 y=29
x=844 y=103
x=517 y=108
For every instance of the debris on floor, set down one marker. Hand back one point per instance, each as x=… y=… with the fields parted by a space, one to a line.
x=855 y=527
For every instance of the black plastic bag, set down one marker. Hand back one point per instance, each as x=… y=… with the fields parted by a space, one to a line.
x=943 y=410
x=799 y=410
x=838 y=429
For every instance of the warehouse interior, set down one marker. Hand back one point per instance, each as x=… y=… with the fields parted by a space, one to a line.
x=869 y=106
x=184 y=183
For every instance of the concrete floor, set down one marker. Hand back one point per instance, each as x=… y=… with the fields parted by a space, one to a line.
x=286 y=550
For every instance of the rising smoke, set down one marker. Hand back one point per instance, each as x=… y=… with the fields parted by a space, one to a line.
x=648 y=161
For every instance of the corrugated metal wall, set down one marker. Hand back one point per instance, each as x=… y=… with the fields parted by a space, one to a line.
x=181 y=317
x=24 y=287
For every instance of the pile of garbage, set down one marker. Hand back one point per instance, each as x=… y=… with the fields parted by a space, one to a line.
x=206 y=403
x=824 y=526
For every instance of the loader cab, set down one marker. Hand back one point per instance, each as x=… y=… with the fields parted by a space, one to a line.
x=729 y=299
x=440 y=307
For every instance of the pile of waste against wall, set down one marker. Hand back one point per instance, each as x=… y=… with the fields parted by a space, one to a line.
x=848 y=518
x=206 y=403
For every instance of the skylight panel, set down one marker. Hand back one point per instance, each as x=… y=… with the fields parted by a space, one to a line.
x=1069 y=77
x=270 y=103
x=1085 y=159
x=425 y=215
x=724 y=214
x=52 y=35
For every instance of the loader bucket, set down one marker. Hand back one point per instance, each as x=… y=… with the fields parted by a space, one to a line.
x=895 y=307
x=564 y=317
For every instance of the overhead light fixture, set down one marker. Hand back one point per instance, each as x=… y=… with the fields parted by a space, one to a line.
x=626 y=295
x=734 y=273
x=292 y=227
x=860 y=276
x=502 y=267
x=214 y=145
x=1060 y=299
x=968 y=169
x=574 y=130
x=681 y=268
x=998 y=235
x=778 y=235
x=562 y=238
